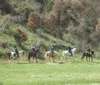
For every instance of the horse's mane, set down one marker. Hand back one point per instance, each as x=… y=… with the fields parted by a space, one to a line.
x=37 y=49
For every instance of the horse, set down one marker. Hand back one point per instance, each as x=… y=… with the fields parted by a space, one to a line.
x=14 y=55
x=49 y=56
x=66 y=52
x=88 y=55
x=11 y=54
x=33 y=55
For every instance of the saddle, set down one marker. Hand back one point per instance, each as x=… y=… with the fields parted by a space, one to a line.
x=52 y=53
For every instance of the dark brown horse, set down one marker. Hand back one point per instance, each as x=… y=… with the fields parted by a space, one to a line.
x=89 y=55
x=33 y=55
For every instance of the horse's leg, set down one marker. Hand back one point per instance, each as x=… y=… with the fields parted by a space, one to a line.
x=91 y=58
x=82 y=57
x=9 y=56
x=49 y=58
x=65 y=57
x=71 y=54
x=18 y=58
x=87 y=58
x=23 y=54
x=29 y=58
x=33 y=57
x=53 y=58
x=45 y=59
x=13 y=56
x=22 y=58
x=36 y=59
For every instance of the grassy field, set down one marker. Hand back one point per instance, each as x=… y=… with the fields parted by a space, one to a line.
x=69 y=73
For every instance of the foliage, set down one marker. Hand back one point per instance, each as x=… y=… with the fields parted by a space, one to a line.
x=4 y=28
x=20 y=36
x=5 y=7
x=4 y=45
x=50 y=23
x=33 y=21
x=75 y=22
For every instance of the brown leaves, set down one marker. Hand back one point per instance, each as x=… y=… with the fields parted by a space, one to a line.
x=20 y=36
x=50 y=22
x=33 y=21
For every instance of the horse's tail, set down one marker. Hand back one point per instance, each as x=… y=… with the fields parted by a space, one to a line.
x=9 y=54
x=45 y=55
x=92 y=52
x=28 y=55
x=23 y=53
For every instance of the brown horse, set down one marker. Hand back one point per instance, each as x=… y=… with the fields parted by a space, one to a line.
x=88 y=55
x=33 y=55
x=49 y=56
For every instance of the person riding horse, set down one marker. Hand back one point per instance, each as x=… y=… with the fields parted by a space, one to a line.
x=89 y=53
x=16 y=51
x=52 y=49
x=33 y=53
x=33 y=49
x=70 y=50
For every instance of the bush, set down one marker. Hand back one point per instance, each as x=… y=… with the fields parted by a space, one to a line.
x=5 y=7
x=20 y=36
x=4 y=28
x=33 y=21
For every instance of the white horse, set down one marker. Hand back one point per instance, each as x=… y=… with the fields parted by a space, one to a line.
x=13 y=54
x=66 y=52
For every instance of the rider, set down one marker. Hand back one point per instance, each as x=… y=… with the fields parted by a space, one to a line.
x=16 y=51
x=33 y=49
x=52 y=49
x=70 y=50
x=89 y=50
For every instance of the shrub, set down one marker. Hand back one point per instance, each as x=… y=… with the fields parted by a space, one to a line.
x=4 y=44
x=5 y=7
x=20 y=36
x=33 y=21
x=4 y=28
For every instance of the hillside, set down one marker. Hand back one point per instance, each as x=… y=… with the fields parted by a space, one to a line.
x=46 y=22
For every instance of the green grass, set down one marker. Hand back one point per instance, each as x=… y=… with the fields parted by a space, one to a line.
x=70 y=73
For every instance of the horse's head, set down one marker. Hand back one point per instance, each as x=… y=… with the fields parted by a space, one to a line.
x=55 y=52
x=74 y=49
x=38 y=50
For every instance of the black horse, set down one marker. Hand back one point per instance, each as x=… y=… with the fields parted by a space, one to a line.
x=89 y=55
